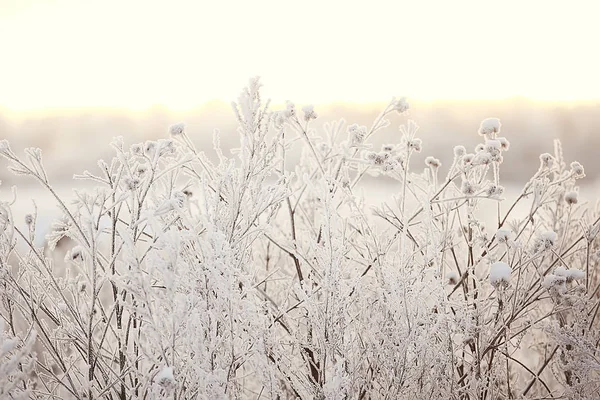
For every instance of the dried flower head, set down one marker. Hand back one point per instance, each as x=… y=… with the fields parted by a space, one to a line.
x=141 y=169
x=131 y=183
x=467 y=188
x=415 y=144
x=356 y=134
x=370 y=155
x=149 y=147
x=400 y=105
x=546 y=160
x=489 y=126
x=571 y=197
x=504 y=143
x=452 y=277
x=577 y=169
x=569 y=274
x=76 y=254
x=388 y=148
x=309 y=112
x=137 y=149
x=503 y=235
x=28 y=219
x=432 y=162
x=290 y=109
x=494 y=190
x=500 y=274
x=459 y=151
x=177 y=129
x=545 y=241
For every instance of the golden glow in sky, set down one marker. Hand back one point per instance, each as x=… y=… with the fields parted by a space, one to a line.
x=135 y=54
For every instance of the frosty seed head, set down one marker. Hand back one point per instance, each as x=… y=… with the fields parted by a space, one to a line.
x=432 y=162
x=482 y=158
x=290 y=109
x=479 y=148
x=279 y=118
x=459 y=151
x=28 y=219
x=323 y=147
x=468 y=158
x=467 y=188
x=137 y=149
x=415 y=144
x=165 y=377
x=309 y=112
x=370 y=155
x=356 y=134
x=494 y=190
x=452 y=278
x=555 y=283
x=545 y=241
x=131 y=183
x=569 y=274
x=166 y=147
x=141 y=169
x=401 y=105
x=177 y=129
x=546 y=160
x=388 y=148
x=76 y=254
x=571 y=197
x=502 y=235
x=493 y=146
x=500 y=274
x=379 y=159
x=149 y=147
x=489 y=126
x=389 y=165
x=504 y=143
x=577 y=169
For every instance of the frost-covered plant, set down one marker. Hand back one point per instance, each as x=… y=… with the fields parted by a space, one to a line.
x=255 y=276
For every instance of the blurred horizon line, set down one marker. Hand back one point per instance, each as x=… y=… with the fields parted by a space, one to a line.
x=217 y=103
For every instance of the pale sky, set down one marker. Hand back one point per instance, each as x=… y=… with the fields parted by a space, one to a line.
x=180 y=54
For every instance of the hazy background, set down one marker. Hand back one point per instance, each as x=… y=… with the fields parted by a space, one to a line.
x=72 y=141
x=75 y=73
